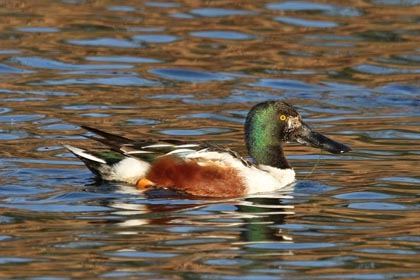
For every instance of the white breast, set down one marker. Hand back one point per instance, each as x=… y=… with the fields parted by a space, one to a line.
x=267 y=179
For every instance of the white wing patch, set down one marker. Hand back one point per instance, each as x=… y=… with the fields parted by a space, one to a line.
x=157 y=146
x=181 y=152
x=136 y=152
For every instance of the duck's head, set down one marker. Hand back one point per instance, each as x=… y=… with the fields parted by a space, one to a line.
x=272 y=123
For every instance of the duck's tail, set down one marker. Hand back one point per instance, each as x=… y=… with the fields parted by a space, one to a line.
x=111 y=166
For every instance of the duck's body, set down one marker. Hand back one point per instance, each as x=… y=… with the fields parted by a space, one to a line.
x=203 y=172
x=203 y=169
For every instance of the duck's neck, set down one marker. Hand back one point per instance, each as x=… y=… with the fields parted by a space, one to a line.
x=264 y=146
x=271 y=155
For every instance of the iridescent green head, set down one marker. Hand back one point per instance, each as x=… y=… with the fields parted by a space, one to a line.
x=272 y=123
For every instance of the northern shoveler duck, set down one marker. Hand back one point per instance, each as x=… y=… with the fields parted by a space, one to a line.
x=204 y=169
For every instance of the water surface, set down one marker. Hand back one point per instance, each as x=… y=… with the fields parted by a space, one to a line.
x=191 y=70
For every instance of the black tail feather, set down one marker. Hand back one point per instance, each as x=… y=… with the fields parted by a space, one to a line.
x=111 y=140
x=108 y=136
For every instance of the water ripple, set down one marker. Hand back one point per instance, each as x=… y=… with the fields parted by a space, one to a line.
x=55 y=208
x=20 y=118
x=141 y=122
x=219 y=12
x=36 y=92
x=383 y=70
x=47 y=63
x=121 y=9
x=236 y=96
x=326 y=9
x=129 y=253
x=16 y=260
x=186 y=75
x=224 y=35
x=5 y=110
x=112 y=81
x=13 y=70
x=306 y=22
x=15 y=190
x=212 y=117
x=396 y=2
x=123 y=59
x=378 y=206
x=37 y=29
x=285 y=84
x=156 y=38
x=105 y=42
x=158 y=4
x=59 y=126
x=195 y=132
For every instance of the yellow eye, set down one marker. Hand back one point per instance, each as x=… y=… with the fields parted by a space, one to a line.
x=282 y=117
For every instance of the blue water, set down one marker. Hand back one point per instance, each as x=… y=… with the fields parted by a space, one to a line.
x=191 y=70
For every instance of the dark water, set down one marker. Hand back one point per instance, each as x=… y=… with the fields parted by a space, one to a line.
x=191 y=70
